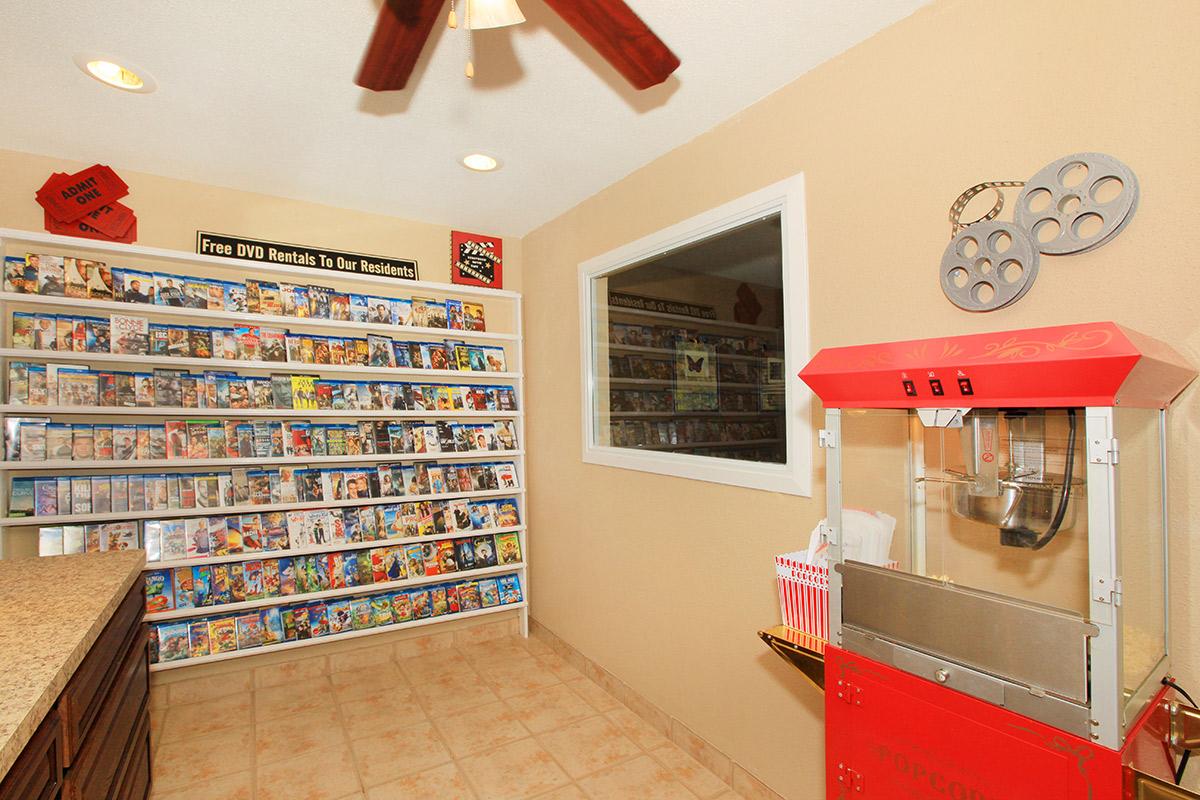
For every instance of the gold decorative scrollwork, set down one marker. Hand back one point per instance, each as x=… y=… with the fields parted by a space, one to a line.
x=1020 y=349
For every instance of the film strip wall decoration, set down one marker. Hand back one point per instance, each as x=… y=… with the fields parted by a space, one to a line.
x=1073 y=205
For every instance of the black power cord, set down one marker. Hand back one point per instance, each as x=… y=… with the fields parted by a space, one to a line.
x=1027 y=538
x=1187 y=754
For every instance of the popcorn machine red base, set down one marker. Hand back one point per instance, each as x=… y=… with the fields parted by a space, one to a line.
x=891 y=735
x=1018 y=652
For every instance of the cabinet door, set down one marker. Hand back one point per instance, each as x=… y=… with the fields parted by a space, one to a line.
x=96 y=771
x=134 y=781
x=38 y=772
x=83 y=697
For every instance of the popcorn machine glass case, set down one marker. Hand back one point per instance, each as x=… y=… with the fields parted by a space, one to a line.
x=1026 y=474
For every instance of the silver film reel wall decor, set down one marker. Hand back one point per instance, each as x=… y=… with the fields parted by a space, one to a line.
x=1077 y=203
x=1073 y=205
x=988 y=265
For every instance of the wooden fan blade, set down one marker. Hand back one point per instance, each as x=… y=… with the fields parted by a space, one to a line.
x=400 y=33
x=620 y=36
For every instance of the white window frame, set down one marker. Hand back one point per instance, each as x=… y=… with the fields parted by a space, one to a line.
x=793 y=477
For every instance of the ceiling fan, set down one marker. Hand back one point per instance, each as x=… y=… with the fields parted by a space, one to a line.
x=609 y=26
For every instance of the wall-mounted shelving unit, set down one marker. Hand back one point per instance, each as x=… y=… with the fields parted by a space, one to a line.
x=503 y=314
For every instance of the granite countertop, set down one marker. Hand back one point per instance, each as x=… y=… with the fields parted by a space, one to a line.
x=52 y=610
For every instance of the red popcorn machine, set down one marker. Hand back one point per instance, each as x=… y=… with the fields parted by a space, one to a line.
x=1020 y=650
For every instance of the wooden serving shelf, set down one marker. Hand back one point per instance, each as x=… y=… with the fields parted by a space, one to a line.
x=805 y=653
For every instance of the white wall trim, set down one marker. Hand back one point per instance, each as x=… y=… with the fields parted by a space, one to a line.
x=795 y=477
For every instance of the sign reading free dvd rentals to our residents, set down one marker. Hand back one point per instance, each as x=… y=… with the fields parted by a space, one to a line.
x=297 y=255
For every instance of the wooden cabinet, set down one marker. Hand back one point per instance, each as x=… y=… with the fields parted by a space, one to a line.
x=83 y=700
x=38 y=772
x=95 y=743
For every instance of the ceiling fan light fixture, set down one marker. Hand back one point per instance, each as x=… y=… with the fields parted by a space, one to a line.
x=479 y=162
x=484 y=14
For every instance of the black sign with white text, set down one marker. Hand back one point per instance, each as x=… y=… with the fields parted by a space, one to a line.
x=640 y=303
x=296 y=255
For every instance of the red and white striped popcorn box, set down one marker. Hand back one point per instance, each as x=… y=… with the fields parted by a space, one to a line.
x=804 y=593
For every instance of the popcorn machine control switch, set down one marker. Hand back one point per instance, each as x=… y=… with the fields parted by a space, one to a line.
x=964 y=387
x=910 y=389
x=935 y=386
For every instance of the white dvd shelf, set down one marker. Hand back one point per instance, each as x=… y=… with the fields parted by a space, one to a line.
x=325 y=548
x=10 y=409
x=245 y=508
x=396 y=373
x=152 y=463
x=228 y=608
x=502 y=311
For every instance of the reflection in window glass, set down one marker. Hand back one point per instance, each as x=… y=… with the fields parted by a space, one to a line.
x=690 y=348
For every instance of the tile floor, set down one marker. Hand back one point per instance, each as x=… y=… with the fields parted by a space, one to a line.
x=501 y=720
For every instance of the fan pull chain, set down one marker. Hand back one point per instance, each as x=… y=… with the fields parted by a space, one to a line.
x=470 y=71
x=452 y=22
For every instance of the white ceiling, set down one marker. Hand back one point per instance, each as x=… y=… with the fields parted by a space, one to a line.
x=259 y=95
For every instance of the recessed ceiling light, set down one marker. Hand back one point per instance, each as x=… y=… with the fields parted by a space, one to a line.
x=118 y=75
x=480 y=162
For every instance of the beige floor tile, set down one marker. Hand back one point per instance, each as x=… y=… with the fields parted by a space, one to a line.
x=440 y=783
x=560 y=667
x=280 y=701
x=587 y=746
x=518 y=770
x=703 y=751
x=690 y=772
x=443 y=663
x=495 y=652
x=517 y=675
x=485 y=632
x=209 y=716
x=362 y=658
x=642 y=778
x=545 y=709
x=598 y=698
x=327 y=774
x=571 y=792
x=637 y=729
x=424 y=645
x=198 y=760
x=481 y=728
x=209 y=687
x=291 y=672
x=284 y=737
x=398 y=752
x=369 y=716
x=155 y=730
x=534 y=646
x=239 y=786
x=451 y=693
x=369 y=682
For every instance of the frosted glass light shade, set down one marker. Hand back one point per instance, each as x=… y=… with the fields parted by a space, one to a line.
x=494 y=14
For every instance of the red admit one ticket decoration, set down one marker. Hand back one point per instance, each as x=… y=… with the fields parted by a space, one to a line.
x=80 y=227
x=114 y=222
x=69 y=197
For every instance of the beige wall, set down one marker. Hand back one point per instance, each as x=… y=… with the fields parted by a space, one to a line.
x=664 y=581
x=171 y=211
